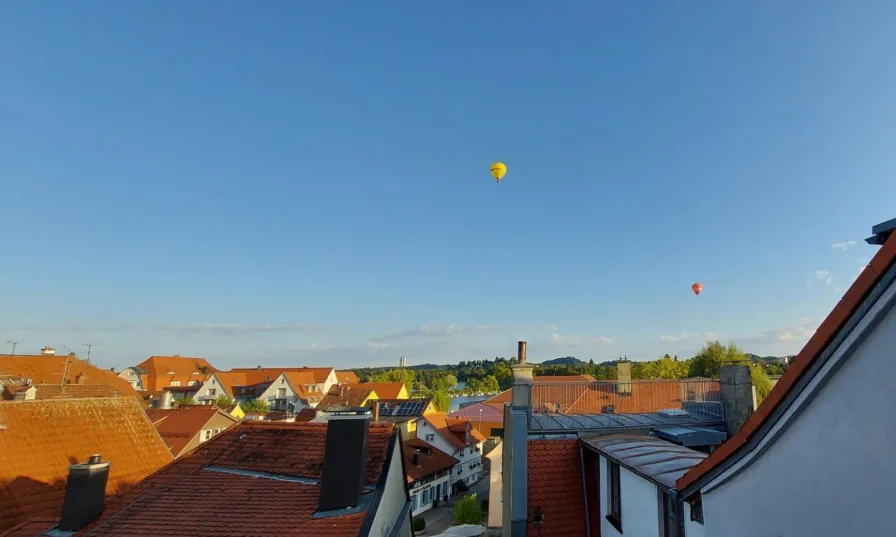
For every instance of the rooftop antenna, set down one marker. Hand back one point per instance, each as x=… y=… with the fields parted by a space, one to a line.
x=13 y=343
x=65 y=371
x=89 y=347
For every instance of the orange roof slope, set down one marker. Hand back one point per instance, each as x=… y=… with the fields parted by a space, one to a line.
x=555 y=485
x=385 y=390
x=825 y=332
x=178 y=427
x=48 y=370
x=429 y=459
x=161 y=370
x=298 y=380
x=565 y=378
x=255 y=374
x=186 y=495
x=41 y=439
x=347 y=377
x=345 y=396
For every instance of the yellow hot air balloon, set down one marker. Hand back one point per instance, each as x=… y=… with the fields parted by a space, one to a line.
x=498 y=170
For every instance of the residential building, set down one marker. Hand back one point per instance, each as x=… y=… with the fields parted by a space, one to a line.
x=40 y=439
x=428 y=474
x=339 y=479
x=386 y=390
x=185 y=428
x=324 y=377
x=404 y=413
x=347 y=377
x=549 y=476
x=488 y=418
x=17 y=388
x=158 y=372
x=457 y=438
x=629 y=485
x=54 y=375
x=816 y=457
x=292 y=391
x=343 y=396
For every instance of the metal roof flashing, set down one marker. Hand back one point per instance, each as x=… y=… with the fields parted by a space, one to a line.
x=881 y=232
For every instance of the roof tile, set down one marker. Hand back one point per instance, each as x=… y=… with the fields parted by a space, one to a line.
x=555 y=485
x=41 y=439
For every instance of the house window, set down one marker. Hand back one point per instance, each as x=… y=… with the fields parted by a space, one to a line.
x=212 y=392
x=213 y=382
x=672 y=523
x=614 y=514
x=430 y=437
x=206 y=434
x=193 y=382
x=282 y=381
x=697 y=510
x=175 y=383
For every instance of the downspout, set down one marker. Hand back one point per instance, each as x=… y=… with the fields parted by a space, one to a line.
x=584 y=489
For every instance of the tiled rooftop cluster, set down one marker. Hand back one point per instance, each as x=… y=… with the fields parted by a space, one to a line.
x=46 y=373
x=39 y=440
x=238 y=498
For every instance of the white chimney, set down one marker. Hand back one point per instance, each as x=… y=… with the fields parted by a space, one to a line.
x=48 y=351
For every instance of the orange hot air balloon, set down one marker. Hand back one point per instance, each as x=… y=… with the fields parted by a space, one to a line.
x=697 y=287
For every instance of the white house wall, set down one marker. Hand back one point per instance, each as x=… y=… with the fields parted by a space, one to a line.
x=831 y=471
x=691 y=528
x=133 y=377
x=393 y=500
x=640 y=505
x=495 y=495
x=202 y=396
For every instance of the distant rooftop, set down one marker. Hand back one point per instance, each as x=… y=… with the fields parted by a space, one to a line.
x=569 y=423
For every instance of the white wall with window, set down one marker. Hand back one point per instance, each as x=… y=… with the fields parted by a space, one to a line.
x=425 y=494
x=469 y=468
x=630 y=503
x=133 y=377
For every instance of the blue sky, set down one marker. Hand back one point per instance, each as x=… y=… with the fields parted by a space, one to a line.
x=307 y=182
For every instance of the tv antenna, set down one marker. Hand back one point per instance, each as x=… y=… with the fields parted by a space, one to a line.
x=89 y=347
x=13 y=343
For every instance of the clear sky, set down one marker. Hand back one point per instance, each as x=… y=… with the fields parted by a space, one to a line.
x=307 y=183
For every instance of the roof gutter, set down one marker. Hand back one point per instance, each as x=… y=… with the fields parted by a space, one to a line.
x=585 y=489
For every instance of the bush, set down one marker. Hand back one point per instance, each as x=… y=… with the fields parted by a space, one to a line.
x=467 y=511
x=418 y=524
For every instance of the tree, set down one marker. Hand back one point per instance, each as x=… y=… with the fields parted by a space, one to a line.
x=444 y=382
x=441 y=400
x=490 y=384
x=254 y=405
x=183 y=400
x=223 y=401
x=761 y=381
x=467 y=511
x=713 y=356
x=503 y=374
x=394 y=375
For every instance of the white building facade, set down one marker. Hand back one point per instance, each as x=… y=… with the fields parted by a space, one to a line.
x=469 y=454
x=818 y=460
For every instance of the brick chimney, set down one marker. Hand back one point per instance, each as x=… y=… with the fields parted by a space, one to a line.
x=345 y=459
x=85 y=493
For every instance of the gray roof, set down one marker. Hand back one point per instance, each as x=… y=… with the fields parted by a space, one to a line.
x=658 y=460
x=692 y=436
x=621 y=422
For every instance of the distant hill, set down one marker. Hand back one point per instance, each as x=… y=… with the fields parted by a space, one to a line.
x=566 y=360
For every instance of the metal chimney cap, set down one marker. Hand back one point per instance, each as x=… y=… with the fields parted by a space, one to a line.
x=96 y=458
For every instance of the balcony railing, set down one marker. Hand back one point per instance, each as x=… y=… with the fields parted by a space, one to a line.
x=635 y=397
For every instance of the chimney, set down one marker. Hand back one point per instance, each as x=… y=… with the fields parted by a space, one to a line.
x=376 y=411
x=624 y=377
x=48 y=351
x=345 y=459
x=81 y=378
x=85 y=493
x=415 y=459
x=521 y=391
x=737 y=395
x=166 y=400
x=258 y=368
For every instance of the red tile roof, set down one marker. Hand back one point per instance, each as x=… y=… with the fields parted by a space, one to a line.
x=184 y=369
x=824 y=334
x=77 y=391
x=32 y=527
x=347 y=377
x=564 y=378
x=555 y=485
x=344 y=396
x=48 y=370
x=454 y=430
x=256 y=375
x=385 y=390
x=178 y=427
x=429 y=459
x=186 y=499
x=41 y=439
